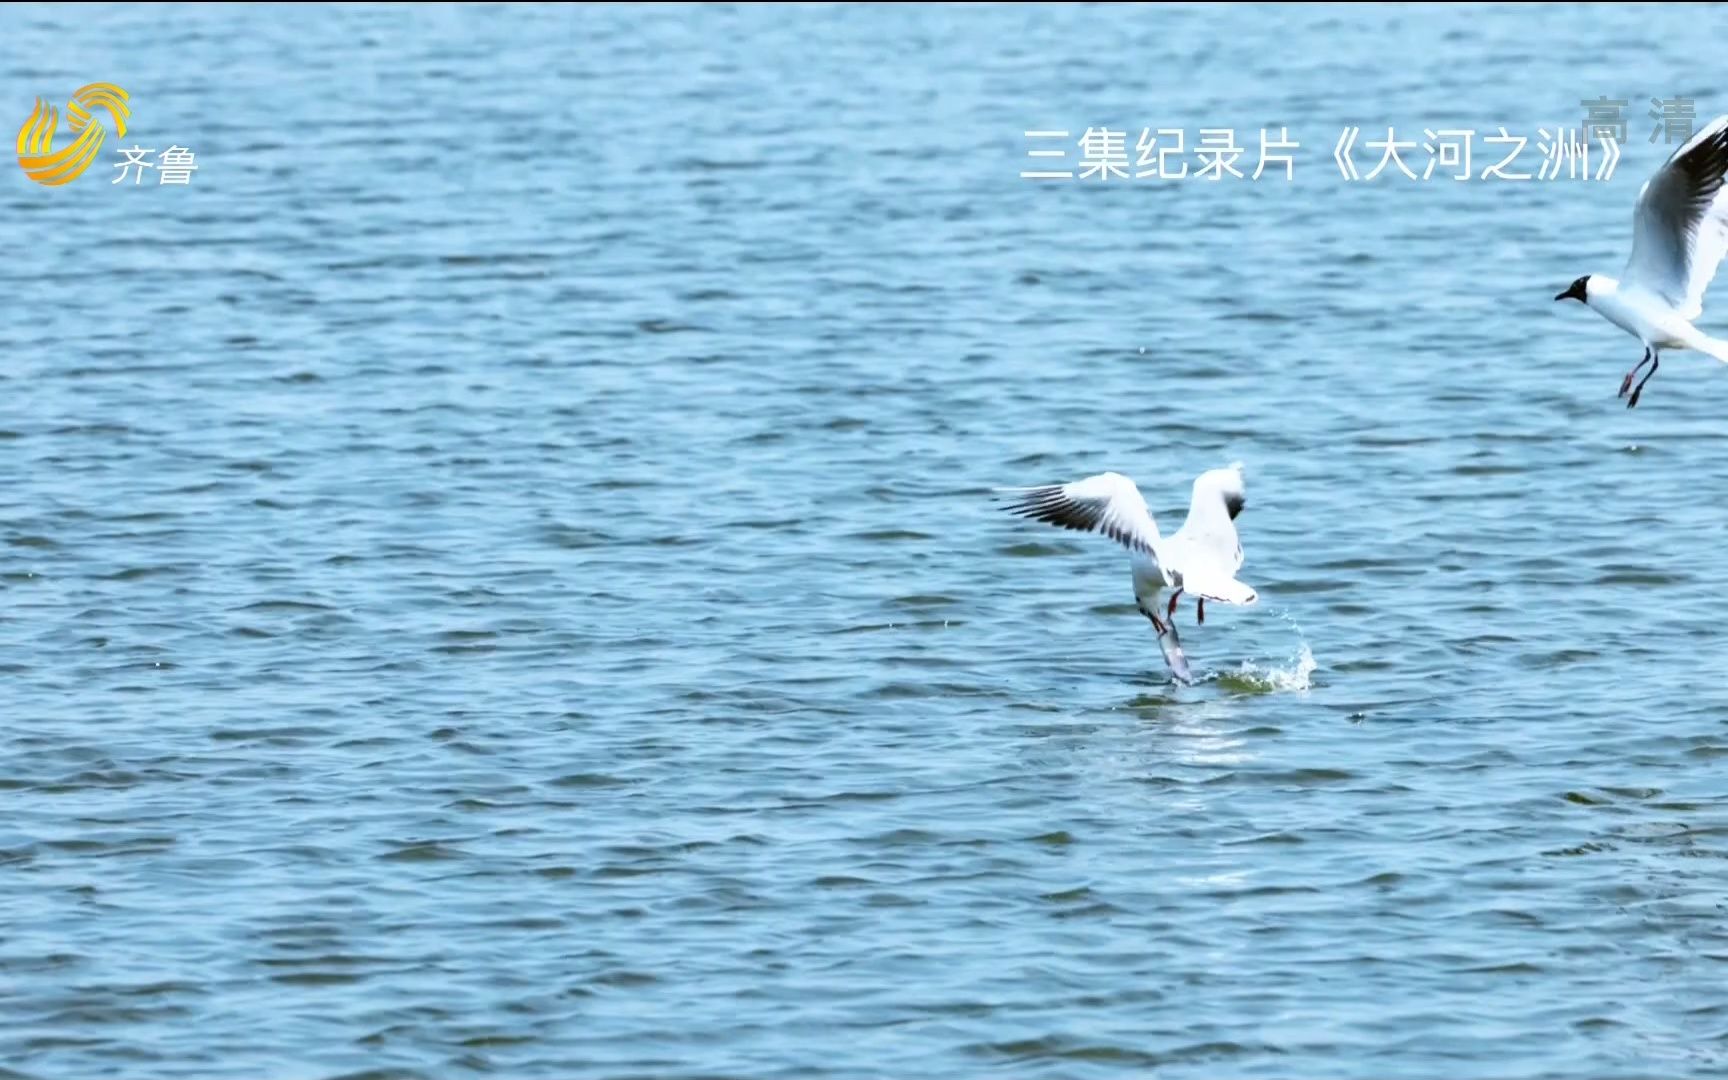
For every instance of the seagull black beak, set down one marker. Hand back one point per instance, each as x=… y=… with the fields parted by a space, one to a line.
x=1574 y=291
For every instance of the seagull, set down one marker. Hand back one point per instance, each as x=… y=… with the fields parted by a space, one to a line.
x=1200 y=558
x=1679 y=235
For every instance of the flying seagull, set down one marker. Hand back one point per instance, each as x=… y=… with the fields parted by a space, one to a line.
x=1679 y=235
x=1201 y=558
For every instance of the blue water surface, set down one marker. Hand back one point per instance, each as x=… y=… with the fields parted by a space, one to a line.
x=498 y=573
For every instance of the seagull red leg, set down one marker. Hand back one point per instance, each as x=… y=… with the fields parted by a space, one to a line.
x=1655 y=363
x=1626 y=383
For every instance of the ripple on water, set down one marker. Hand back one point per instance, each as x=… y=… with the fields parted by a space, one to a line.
x=538 y=608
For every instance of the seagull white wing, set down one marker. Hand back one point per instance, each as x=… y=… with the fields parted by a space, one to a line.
x=1206 y=552
x=1210 y=528
x=1680 y=225
x=1108 y=504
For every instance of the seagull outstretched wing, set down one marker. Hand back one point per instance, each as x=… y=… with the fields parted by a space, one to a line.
x=1680 y=225
x=1206 y=552
x=1108 y=504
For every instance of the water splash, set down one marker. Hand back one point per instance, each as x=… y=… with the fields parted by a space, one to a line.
x=1294 y=674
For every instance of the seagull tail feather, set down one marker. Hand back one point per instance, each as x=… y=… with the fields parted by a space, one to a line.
x=1715 y=347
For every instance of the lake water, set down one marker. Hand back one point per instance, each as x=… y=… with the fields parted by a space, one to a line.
x=500 y=575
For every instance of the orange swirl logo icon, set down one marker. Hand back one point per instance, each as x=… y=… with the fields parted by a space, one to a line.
x=36 y=153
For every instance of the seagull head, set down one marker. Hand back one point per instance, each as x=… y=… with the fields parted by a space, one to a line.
x=1579 y=290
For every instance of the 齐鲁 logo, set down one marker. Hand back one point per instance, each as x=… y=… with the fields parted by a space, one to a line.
x=36 y=153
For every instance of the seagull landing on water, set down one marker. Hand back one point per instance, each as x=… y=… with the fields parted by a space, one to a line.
x=1679 y=235
x=1200 y=558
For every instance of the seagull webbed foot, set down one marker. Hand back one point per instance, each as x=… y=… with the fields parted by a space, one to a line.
x=1626 y=383
x=1655 y=362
